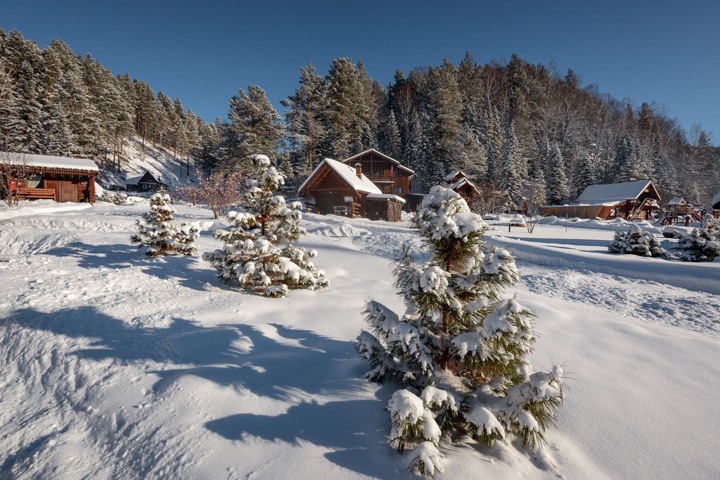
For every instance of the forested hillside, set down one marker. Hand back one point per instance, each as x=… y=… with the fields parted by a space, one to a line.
x=523 y=130
x=55 y=102
x=518 y=128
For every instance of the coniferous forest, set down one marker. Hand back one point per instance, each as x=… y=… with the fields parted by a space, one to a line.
x=527 y=131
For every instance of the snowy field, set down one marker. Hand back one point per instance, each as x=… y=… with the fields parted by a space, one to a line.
x=116 y=366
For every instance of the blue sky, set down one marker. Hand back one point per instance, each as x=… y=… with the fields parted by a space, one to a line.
x=664 y=52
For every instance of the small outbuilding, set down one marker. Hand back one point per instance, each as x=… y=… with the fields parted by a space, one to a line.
x=715 y=203
x=145 y=183
x=336 y=188
x=629 y=200
x=26 y=176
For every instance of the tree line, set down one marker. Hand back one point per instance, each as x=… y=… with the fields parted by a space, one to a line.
x=521 y=132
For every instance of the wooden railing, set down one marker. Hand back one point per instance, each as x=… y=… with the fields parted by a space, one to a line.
x=36 y=193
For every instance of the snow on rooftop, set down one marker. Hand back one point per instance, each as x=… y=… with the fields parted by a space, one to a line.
x=611 y=193
x=48 y=161
x=387 y=196
x=677 y=201
x=716 y=201
x=348 y=173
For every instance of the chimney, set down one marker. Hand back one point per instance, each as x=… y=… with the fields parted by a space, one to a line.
x=358 y=170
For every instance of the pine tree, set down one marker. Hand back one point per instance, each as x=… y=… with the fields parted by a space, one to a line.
x=636 y=242
x=257 y=252
x=159 y=235
x=460 y=350
x=303 y=115
x=254 y=127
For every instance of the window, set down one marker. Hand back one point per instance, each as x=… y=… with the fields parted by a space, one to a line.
x=398 y=190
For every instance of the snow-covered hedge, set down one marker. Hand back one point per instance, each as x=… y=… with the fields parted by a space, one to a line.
x=637 y=242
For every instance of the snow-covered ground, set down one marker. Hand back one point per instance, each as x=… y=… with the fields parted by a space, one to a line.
x=113 y=365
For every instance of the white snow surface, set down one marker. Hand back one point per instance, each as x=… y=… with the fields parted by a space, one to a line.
x=48 y=161
x=118 y=366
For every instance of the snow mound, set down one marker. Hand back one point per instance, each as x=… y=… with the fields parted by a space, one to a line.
x=13 y=244
x=342 y=230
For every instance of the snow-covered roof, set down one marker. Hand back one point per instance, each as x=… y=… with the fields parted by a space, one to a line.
x=347 y=173
x=677 y=201
x=612 y=193
x=372 y=150
x=451 y=176
x=386 y=196
x=48 y=161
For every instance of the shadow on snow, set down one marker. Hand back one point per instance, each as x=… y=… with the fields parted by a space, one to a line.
x=270 y=360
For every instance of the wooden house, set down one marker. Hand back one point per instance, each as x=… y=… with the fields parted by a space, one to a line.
x=459 y=183
x=29 y=177
x=629 y=200
x=145 y=183
x=337 y=188
x=385 y=172
x=715 y=204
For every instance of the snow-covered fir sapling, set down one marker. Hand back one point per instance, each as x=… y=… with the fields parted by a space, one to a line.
x=637 y=242
x=160 y=235
x=702 y=244
x=460 y=350
x=257 y=252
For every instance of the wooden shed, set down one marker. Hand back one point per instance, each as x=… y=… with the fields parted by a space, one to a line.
x=62 y=179
x=336 y=188
x=628 y=200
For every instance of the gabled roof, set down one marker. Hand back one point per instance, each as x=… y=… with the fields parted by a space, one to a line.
x=677 y=201
x=48 y=161
x=146 y=177
x=380 y=154
x=716 y=201
x=347 y=173
x=614 y=192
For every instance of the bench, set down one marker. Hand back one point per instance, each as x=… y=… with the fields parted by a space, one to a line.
x=36 y=193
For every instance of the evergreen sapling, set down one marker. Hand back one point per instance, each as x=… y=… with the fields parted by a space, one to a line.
x=460 y=350
x=257 y=252
x=160 y=235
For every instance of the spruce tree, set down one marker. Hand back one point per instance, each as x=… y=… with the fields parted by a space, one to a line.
x=159 y=235
x=511 y=179
x=258 y=253
x=460 y=350
x=558 y=191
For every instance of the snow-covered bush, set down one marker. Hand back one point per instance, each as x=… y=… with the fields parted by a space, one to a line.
x=637 y=242
x=160 y=235
x=257 y=252
x=117 y=198
x=460 y=350
x=702 y=244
